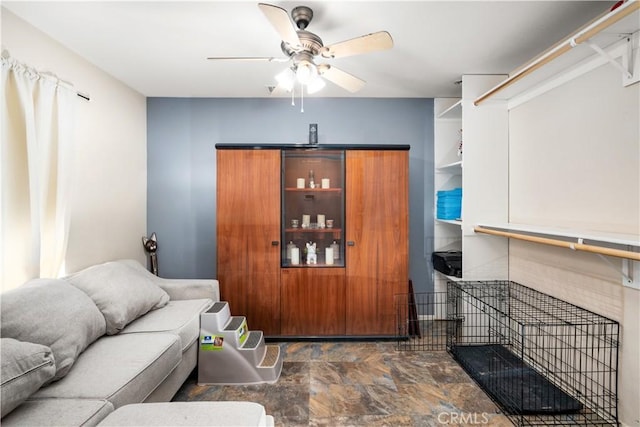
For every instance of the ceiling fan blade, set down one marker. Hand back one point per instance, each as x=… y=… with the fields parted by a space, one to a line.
x=279 y=19
x=369 y=43
x=341 y=78
x=247 y=58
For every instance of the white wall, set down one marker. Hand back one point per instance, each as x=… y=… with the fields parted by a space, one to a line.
x=575 y=162
x=108 y=214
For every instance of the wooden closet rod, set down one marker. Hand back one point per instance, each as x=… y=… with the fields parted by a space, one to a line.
x=586 y=33
x=619 y=253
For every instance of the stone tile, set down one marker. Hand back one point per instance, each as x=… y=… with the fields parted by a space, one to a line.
x=320 y=401
x=361 y=383
x=296 y=351
x=410 y=370
x=420 y=399
x=295 y=373
x=364 y=420
x=469 y=398
x=190 y=391
x=346 y=352
x=376 y=372
x=349 y=400
x=447 y=372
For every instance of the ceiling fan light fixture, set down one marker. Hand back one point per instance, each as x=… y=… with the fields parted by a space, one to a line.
x=286 y=79
x=306 y=72
x=316 y=85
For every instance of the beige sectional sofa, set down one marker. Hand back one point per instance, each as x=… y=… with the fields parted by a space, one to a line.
x=76 y=349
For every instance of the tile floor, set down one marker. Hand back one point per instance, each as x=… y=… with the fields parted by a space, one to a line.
x=362 y=383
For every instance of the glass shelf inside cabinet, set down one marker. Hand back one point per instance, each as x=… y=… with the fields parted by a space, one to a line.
x=312 y=208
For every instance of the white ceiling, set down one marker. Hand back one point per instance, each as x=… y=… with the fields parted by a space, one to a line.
x=159 y=48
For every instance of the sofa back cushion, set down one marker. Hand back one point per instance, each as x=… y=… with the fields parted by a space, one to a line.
x=25 y=368
x=52 y=313
x=122 y=291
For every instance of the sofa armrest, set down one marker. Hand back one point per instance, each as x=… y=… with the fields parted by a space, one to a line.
x=181 y=289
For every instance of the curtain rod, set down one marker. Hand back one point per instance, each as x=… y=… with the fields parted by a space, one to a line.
x=7 y=55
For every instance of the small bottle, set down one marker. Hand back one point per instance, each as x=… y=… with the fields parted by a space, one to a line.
x=313 y=133
x=336 y=250
x=312 y=182
x=290 y=246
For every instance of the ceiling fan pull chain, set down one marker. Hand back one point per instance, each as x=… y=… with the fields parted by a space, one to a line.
x=293 y=94
x=301 y=98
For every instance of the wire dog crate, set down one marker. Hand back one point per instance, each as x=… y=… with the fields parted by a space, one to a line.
x=421 y=321
x=542 y=360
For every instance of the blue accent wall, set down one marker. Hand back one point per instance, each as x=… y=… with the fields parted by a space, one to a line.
x=181 y=138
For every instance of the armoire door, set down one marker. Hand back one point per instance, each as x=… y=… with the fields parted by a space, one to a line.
x=377 y=249
x=312 y=301
x=248 y=235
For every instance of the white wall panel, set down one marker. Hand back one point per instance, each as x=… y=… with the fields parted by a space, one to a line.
x=108 y=214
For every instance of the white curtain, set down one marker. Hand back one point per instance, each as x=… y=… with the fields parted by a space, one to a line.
x=38 y=113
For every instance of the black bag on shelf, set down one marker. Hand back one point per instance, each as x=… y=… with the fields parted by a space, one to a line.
x=448 y=262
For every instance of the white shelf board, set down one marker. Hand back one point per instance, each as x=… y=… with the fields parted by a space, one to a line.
x=541 y=73
x=451 y=166
x=567 y=233
x=452 y=278
x=450 y=221
x=453 y=112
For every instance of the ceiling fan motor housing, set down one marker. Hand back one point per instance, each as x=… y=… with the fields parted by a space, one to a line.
x=302 y=16
x=309 y=42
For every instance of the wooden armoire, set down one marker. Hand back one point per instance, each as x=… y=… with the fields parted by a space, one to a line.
x=278 y=204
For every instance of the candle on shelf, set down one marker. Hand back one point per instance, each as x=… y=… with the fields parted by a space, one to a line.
x=321 y=222
x=328 y=256
x=295 y=256
x=300 y=183
x=325 y=183
x=306 y=221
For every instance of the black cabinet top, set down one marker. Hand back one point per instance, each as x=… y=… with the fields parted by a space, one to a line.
x=294 y=146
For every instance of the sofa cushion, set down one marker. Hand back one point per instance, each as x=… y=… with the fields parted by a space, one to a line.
x=189 y=414
x=25 y=367
x=41 y=310
x=59 y=412
x=119 y=368
x=178 y=317
x=121 y=291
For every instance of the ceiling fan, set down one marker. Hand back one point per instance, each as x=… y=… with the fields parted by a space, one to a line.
x=302 y=48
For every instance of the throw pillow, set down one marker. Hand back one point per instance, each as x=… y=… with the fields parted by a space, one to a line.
x=121 y=291
x=25 y=368
x=53 y=313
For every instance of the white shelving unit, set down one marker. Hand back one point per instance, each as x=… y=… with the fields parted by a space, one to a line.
x=482 y=172
x=447 y=175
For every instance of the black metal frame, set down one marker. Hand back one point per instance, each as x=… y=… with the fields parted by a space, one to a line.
x=549 y=361
x=421 y=321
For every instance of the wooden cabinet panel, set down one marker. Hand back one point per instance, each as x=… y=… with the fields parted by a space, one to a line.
x=377 y=251
x=313 y=301
x=248 y=224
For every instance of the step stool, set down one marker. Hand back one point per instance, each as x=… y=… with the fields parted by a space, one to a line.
x=229 y=353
